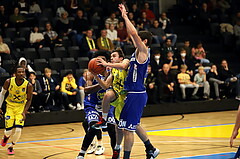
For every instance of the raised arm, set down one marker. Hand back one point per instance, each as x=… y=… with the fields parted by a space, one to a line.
x=105 y=84
x=141 y=47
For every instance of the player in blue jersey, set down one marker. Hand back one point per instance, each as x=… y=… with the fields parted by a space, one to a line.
x=92 y=108
x=136 y=97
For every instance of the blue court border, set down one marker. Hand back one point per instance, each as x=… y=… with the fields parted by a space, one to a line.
x=228 y=155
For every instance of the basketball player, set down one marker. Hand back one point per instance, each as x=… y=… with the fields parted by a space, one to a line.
x=136 y=97
x=92 y=108
x=116 y=96
x=18 y=102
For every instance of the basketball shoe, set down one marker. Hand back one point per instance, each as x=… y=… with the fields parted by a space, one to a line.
x=153 y=153
x=4 y=141
x=116 y=154
x=92 y=148
x=80 y=157
x=101 y=124
x=10 y=151
x=99 y=150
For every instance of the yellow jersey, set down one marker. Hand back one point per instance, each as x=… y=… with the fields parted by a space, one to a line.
x=17 y=94
x=118 y=86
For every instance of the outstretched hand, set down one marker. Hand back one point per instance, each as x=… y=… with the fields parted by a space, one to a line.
x=101 y=62
x=234 y=135
x=122 y=8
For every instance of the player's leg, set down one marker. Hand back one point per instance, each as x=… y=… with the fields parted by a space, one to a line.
x=150 y=150
x=9 y=122
x=119 y=138
x=128 y=143
x=107 y=99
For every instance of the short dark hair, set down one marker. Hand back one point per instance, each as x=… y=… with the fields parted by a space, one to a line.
x=119 y=51
x=15 y=70
x=102 y=53
x=146 y=35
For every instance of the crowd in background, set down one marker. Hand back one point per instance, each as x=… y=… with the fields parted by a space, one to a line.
x=96 y=25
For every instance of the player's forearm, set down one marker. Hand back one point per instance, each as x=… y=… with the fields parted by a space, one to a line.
x=130 y=27
x=27 y=106
x=121 y=66
x=237 y=123
x=102 y=83
x=2 y=94
x=92 y=89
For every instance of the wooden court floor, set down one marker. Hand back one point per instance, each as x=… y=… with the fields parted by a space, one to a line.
x=175 y=136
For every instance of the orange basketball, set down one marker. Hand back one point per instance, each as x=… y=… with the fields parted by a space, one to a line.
x=94 y=68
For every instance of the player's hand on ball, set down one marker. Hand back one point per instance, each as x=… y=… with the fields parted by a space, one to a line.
x=101 y=62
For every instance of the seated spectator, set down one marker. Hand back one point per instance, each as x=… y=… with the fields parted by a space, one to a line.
x=28 y=69
x=166 y=25
x=104 y=43
x=35 y=8
x=201 y=79
x=199 y=53
x=188 y=48
x=223 y=5
x=156 y=62
x=171 y=60
x=36 y=38
x=167 y=46
x=166 y=84
x=122 y=34
x=151 y=86
x=158 y=33
x=136 y=13
x=149 y=13
x=3 y=19
x=229 y=77
x=144 y=21
x=63 y=26
x=37 y=89
x=50 y=37
x=236 y=30
x=204 y=19
x=4 y=50
x=23 y=7
x=213 y=78
x=17 y=20
x=70 y=92
x=80 y=25
x=112 y=20
x=184 y=80
x=112 y=35
x=82 y=83
x=89 y=45
x=185 y=60
x=51 y=94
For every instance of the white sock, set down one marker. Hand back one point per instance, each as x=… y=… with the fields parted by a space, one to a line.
x=82 y=95
x=82 y=151
x=117 y=147
x=16 y=136
x=99 y=142
x=7 y=133
x=104 y=116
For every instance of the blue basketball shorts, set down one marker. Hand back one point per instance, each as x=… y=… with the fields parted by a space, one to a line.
x=132 y=110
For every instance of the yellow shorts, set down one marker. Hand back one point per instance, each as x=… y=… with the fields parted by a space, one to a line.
x=118 y=103
x=13 y=116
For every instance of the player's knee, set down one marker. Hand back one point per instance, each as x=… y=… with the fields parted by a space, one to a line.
x=18 y=130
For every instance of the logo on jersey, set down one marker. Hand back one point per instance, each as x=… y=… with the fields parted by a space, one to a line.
x=100 y=94
x=23 y=89
x=7 y=117
x=17 y=91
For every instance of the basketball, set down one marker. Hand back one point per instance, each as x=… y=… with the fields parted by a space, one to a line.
x=94 y=68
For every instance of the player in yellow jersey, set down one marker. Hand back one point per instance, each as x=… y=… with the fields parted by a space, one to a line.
x=18 y=101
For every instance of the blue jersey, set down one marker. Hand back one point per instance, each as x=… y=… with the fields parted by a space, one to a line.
x=82 y=82
x=137 y=74
x=95 y=99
